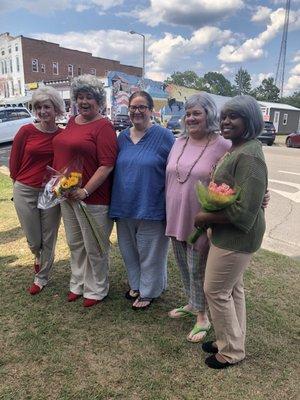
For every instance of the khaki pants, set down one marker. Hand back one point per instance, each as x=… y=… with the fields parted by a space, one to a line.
x=89 y=270
x=224 y=290
x=40 y=227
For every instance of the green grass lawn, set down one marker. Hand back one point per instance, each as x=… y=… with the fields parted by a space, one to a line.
x=52 y=349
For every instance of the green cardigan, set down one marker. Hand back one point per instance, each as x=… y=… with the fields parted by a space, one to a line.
x=247 y=166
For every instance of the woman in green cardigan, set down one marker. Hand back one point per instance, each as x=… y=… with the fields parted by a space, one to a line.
x=236 y=232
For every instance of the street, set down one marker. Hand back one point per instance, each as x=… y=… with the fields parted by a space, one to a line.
x=282 y=214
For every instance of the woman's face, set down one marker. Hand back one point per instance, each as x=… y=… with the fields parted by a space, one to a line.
x=87 y=105
x=195 y=122
x=232 y=126
x=45 y=111
x=139 y=112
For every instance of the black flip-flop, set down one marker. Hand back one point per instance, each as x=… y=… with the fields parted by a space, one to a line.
x=130 y=297
x=140 y=299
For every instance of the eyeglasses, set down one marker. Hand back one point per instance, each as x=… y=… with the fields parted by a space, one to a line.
x=141 y=108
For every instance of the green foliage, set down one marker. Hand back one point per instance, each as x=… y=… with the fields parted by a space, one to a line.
x=267 y=91
x=293 y=100
x=243 y=82
x=188 y=79
x=218 y=84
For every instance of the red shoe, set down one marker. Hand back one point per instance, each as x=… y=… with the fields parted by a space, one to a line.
x=73 y=296
x=35 y=289
x=90 y=302
x=37 y=268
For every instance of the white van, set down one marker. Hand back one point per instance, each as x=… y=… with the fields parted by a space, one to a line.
x=11 y=119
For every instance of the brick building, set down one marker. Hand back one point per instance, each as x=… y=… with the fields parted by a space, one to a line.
x=26 y=62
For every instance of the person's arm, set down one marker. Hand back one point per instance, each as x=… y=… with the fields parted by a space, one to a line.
x=17 y=151
x=96 y=180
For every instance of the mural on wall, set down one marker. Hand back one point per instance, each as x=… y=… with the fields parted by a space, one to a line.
x=124 y=85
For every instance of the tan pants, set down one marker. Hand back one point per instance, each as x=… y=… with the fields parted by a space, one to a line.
x=40 y=227
x=89 y=270
x=224 y=290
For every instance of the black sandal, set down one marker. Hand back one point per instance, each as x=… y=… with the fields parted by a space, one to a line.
x=140 y=299
x=132 y=294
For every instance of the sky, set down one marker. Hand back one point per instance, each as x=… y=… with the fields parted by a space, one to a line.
x=180 y=35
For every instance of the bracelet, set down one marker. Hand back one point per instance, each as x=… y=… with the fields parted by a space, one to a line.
x=86 y=192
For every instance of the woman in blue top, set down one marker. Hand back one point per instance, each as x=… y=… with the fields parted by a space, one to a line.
x=138 y=201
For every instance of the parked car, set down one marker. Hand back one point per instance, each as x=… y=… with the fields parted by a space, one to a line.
x=293 y=139
x=174 y=124
x=268 y=134
x=11 y=119
x=121 y=121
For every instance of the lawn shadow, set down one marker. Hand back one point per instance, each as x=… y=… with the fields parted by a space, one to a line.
x=11 y=235
x=7 y=260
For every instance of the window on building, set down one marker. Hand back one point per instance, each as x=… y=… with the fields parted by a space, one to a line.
x=2 y=52
x=16 y=47
x=35 y=65
x=2 y=67
x=5 y=67
x=19 y=86
x=70 y=70
x=43 y=68
x=93 y=71
x=9 y=49
x=285 y=119
x=55 y=67
x=18 y=64
x=10 y=65
x=79 y=71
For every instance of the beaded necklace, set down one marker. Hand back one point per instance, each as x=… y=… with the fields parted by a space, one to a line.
x=182 y=181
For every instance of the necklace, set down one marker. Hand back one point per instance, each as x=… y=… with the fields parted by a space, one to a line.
x=179 y=179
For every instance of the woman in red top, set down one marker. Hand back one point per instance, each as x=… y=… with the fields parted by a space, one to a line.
x=92 y=138
x=30 y=154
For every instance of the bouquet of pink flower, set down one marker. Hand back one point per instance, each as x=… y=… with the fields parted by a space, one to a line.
x=214 y=197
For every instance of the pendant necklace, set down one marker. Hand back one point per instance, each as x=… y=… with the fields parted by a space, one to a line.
x=179 y=179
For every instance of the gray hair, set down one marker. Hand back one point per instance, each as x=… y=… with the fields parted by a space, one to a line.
x=249 y=109
x=90 y=84
x=205 y=101
x=49 y=93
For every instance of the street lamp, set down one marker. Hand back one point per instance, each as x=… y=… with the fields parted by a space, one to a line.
x=144 y=48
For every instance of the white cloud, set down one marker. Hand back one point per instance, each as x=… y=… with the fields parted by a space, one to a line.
x=261 y=14
x=56 y=5
x=293 y=84
x=297 y=56
x=253 y=48
x=256 y=79
x=295 y=70
x=193 y=13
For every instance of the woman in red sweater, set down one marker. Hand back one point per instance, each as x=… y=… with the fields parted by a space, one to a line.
x=92 y=138
x=30 y=154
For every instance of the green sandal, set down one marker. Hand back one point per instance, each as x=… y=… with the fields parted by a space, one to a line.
x=197 y=329
x=181 y=313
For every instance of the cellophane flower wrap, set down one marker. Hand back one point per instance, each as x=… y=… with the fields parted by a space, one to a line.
x=213 y=197
x=58 y=185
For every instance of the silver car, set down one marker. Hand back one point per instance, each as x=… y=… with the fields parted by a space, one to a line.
x=11 y=119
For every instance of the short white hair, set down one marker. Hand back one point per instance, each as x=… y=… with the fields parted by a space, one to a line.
x=90 y=84
x=49 y=93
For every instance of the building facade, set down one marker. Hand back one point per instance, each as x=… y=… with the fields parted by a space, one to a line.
x=26 y=62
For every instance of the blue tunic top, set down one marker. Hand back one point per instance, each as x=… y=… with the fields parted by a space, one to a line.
x=139 y=178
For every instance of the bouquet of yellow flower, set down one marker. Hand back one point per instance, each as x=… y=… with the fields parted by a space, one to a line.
x=57 y=185
x=214 y=197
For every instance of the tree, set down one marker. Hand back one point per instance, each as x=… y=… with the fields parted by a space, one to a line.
x=216 y=83
x=188 y=79
x=293 y=100
x=243 y=81
x=267 y=91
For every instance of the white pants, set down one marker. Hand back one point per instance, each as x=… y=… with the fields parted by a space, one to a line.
x=40 y=227
x=89 y=269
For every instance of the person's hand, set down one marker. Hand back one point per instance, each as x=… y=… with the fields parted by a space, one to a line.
x=77 y=194
x=266 y=199
x=200 y=219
